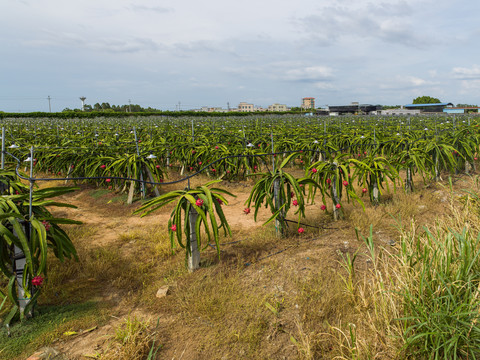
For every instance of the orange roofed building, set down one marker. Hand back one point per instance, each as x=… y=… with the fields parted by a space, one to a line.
x=308 y=103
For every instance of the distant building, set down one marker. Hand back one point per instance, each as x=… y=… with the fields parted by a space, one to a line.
x=462 y=110
x=308 y=103
x=210 y=109
x=435 y=107
x=277 y=107
x=400 y=112
x=354 y=108
x=245 y=107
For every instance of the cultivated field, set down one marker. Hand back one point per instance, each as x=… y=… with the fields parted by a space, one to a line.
x=378 y=258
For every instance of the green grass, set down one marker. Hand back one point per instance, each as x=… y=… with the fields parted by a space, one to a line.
x=119 y=199
x=96 y=194
x=49 y=324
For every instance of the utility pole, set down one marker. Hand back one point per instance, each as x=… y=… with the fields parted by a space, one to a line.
x=228 y=106
x=49 y=107
x=129 y=105
x=179 y=108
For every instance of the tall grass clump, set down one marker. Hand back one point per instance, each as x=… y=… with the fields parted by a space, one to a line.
x=421 y=298
x=424 y=300
x=441 y=295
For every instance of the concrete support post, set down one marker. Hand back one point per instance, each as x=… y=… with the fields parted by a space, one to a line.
x=194 y=256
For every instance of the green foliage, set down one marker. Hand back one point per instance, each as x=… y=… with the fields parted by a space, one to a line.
x=32 y=235
x=334 y=179
x=374 y=172
x=441 y=297
x=186 y=202
x=425 y=100
x=263 y=193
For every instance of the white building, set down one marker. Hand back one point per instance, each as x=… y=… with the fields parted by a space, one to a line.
x=277 y=107
x=245 y=107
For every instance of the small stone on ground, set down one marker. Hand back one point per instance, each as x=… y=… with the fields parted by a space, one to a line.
x=46 y=353
x=163 y=291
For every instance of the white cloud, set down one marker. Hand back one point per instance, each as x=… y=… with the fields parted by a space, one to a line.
x=467 y=73
x=146 y=8
x=390 y=22
x=415 y=81
x=308 y=74
x=408 y=82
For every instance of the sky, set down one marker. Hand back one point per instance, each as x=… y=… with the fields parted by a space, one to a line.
x=187 y=54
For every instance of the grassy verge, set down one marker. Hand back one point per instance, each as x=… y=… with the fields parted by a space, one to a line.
x=49 y=324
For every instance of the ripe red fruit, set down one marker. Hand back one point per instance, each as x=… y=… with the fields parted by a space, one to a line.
x=314 y=170
x=213 y=170
x=364 y=190
x=191 y=168
x=301 y=230
x=158 y=166
x=338 y=206
x=108 y=180
x=216 y=147
x=246 y=211
x=329 y=181
x=37 y=281
x=46 y=224
x=295 y=203
x=365 y=153
x=323 y=207
x=220 y=201
x=345 y=183
x=475 y=158
x=292 y=194
x=199 y=163
x=255 y=167
x=103 y=166
x=228 y=171
x=193 y=151
x=199 y=202
x=173 y=227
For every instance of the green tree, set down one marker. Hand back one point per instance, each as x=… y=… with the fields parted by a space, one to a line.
x=466 y=105
x=425 y=100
